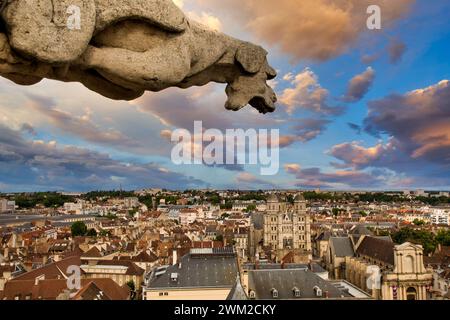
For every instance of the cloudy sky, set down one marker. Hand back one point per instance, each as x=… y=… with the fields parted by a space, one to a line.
x=357 y=109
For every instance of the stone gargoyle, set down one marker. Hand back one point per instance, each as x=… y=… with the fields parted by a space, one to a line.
x=122 y=48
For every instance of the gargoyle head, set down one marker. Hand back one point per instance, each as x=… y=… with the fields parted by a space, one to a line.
x=250 y=85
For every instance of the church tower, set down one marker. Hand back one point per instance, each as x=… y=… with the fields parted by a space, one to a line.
x=287 y=228
x=302 y=223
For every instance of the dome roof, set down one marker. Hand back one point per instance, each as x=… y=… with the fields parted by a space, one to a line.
x=299 y=197
x=272 y=198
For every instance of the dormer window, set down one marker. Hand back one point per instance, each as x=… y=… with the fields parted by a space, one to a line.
x=296 y=292
x=317 y=291
x=274 y=293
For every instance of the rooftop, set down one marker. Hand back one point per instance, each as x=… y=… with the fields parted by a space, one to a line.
x=341 y=246
x=201 y=271
x=287 y=281
x=377 y=249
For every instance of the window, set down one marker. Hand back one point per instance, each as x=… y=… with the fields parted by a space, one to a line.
x=274 y=293
x=296 y=292
x=252 y=294
x=166 y=293
x=161 y=294
x=409 y=264
x=317 y=291
x=411 y=293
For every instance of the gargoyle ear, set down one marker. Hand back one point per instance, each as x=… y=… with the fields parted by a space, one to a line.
x=251 y=57
x=271 y=72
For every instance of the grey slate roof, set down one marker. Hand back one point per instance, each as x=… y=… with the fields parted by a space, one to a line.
x=257 y=219
x=284 y=281
x=207 y=271
x=237 y=292
x=342 y=247
x=385 y=238
x=361 y=229
x=314 y=267
x=325 y=235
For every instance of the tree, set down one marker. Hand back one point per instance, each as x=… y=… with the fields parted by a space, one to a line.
x=363 y=213
x=78 y=229
x=336 y=212
x=132 y=287
x=219 y=238
x=443 y=237
x=224 y=216
x=91 y=233
x=147 y=200
x=290 y=198
x=104 y=233
x=418 y=222
x=226 y=206
x=422 y=237
x=111 y=216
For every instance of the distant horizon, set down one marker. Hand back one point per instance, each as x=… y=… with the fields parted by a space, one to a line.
x=426 y=190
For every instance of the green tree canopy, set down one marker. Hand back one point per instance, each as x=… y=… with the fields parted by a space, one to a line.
x=78 y=229
x=91 y=233
x=443 y=237
x=422 y=237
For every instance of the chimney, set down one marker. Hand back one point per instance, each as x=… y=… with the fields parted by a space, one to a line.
x=37 y=279
x=174 y=257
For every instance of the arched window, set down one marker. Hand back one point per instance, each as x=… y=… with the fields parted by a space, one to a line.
x=409 y=264
x=411 y=293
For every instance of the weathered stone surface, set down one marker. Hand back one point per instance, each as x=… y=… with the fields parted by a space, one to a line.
x=163 y=13
x=126 y=47
x=38 y=28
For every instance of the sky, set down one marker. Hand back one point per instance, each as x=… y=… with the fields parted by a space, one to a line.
x=357 y=108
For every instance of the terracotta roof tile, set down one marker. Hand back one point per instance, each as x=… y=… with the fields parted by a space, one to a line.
x=50 y=289
x=53 y=270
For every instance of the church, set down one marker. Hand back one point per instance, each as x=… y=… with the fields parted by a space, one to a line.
x=287 y=227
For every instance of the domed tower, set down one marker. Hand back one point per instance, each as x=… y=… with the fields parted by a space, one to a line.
x=299 y=203
x=302 y=238
x=273 y=203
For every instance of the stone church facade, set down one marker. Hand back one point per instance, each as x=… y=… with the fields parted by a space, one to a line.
x=401 y=277
x=287 y=227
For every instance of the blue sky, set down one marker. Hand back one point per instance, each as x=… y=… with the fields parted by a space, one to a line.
x=358 y=109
